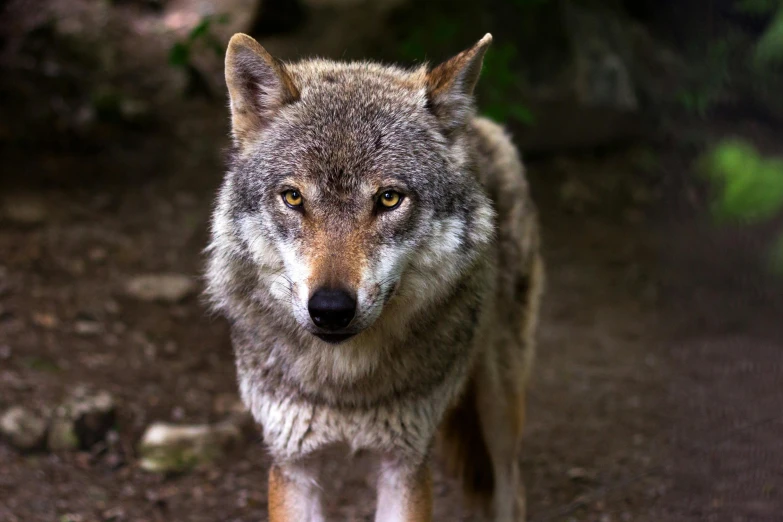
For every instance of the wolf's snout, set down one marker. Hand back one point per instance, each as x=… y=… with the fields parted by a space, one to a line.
x=332 y=309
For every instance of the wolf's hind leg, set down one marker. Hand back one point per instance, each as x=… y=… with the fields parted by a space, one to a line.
x=480 y=437
x=501 y=381
x=502 y=417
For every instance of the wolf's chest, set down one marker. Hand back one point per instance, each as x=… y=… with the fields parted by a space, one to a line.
x=294 y=428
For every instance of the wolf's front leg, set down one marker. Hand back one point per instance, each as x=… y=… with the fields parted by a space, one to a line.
x=294 y=495
x=404 y=493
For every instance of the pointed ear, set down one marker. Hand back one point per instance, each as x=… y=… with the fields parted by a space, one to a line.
x=258 y=85
x=450 y=85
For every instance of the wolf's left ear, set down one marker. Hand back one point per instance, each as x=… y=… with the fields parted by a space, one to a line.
x=258 y=85
x=450 y=85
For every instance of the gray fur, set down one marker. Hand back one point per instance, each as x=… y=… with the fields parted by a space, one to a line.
x=443 y=279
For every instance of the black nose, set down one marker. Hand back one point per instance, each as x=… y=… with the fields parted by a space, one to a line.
x=331 y=309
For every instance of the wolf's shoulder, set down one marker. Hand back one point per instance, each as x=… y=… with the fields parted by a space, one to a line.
x=498 y=160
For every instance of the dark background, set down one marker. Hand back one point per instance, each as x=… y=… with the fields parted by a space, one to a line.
x=652 y=135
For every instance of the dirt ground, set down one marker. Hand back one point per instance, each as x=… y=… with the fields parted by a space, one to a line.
x=656 y=394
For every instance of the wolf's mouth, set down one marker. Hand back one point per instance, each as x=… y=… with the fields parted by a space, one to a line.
x=334 y=338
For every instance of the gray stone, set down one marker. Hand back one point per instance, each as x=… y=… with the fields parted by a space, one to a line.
x=62 y=434
x=171 y=448
x=87 y=328
x=601 y=54
x=167 y=288
x=81 y=421
x=595 y=79
x=23 y=428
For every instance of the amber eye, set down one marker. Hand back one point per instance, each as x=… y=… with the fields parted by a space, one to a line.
x=292 y=198
x=390 y=199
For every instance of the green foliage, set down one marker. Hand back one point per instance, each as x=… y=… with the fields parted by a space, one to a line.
x=499 y=84
x=769 y=49
x=710 y=83
x=750 y=186
x=423 y=40
x=756 y=62
x=181 y=53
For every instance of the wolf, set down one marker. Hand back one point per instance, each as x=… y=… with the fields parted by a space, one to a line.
x=376 y=251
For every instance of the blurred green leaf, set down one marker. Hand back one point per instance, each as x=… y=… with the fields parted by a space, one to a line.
x=201 y=29
x=179 y=55
x=200 y=37
x=750 y=187
x=730 y=158
x=495 y=112
x=522 y=114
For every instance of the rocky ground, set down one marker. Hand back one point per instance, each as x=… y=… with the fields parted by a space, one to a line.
x=656 y=392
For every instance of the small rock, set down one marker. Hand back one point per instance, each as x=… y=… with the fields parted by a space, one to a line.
x=45 y=320
x=170 y=448
x=62 y=435
x=24 y=209
x=134 y=111
x=81 y=421
x=168 y=288
x=97 y=254
x=23 y=428
x=87 y=328
x=5 y=352
x=113 y=514
x=579 y=474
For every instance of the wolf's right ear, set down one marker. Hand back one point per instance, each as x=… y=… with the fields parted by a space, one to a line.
x=450 y=85
x=258 y=85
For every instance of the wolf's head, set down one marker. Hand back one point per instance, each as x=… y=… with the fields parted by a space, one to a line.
x=351 y=183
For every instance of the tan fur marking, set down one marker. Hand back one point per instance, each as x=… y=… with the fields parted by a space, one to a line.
x=419 y=505
x=338 y=260
x=280 y=509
